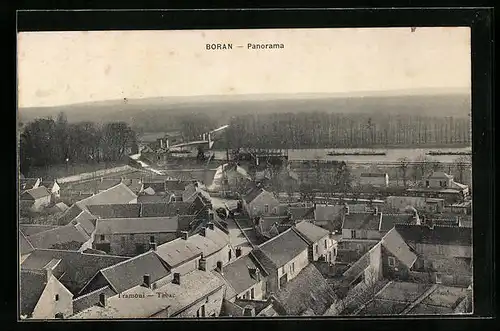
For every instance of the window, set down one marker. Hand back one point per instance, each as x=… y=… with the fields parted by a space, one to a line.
x=426 y=183
x=57 y=297
x=353 y=234
x=252 y=294
x=266 y=208
x=102 y=237
x=445 y=184
x=316 y=248
x=438 y=279
x=392 y=261
x=326 y=244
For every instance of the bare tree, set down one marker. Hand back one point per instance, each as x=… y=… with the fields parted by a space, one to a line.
x=462 y=164
x=403 y=167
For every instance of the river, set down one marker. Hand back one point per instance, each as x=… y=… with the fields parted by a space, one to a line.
x=392 y=154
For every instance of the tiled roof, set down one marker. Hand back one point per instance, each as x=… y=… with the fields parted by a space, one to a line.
x=107 y=184
x=31 y=285
x=250 y=196
x=311 y=232
x=157 y=186
x=167 y=209
x=362 y=221
x=193 y=287
x=61 y=206
x=176 y=185
x=86 y=221
x=307 y=291
x=302 y=213
x=91 y=299
x=154 y=199
x=283 y=248
x=69 y=215
x=30 y=229
x=124 y=210
x=396 y=245
x=127 y=274
x=117 y=194
x=436 y=236
x=389 y=220
x=266 y=222
x=48 y=184
x=25 y=246
x=70 y=235
x=238 y=275
x=137 y=225
x=77 y=268
x=35 y=193
x=327 y=212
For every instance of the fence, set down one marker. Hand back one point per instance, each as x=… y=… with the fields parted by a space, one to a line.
x=98 y=173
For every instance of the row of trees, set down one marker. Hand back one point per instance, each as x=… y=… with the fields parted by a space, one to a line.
x=327 y=130
x=46 y=142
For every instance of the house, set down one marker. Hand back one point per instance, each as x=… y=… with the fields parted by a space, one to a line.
x=267 y=227
x=129 y=273
x=283 y=257
x=72 y=269
x=69 y=237
x=69 y=215
x=321 y=246
x=114 y=195
x=25 y=247
x=35 y=199
x=155 y=198
x=464 y=208
x=259 y=202
x=244 y=279
x=229 y=177
x=196 y=294
x=306 y=294
x=250 y=308
x=53 y=187
x=143 y=210
x=441 y=180
x=203 y=250
x=194 y=190
x=132 y=236
x=374 y=179
x=397 y=257
x=360 y=230
x=29 y=183
x=134 y=184
x=329 y=215
x=401 y=203
x=445 y=253
x=42 y=296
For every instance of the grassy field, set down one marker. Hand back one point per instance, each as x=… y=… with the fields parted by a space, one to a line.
x=58 y=171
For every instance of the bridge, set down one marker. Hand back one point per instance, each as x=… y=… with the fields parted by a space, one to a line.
x=205 y=140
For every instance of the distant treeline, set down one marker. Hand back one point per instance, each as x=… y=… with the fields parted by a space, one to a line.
x=46 y=142
x=330 y=130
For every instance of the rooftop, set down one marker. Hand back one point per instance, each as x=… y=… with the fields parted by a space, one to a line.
x=362 y=221
x=396 y=245
x=254 y=193
x=117 y=194
x=238 y=273
x=439 y=235
x=30 y=229
x=283 y=248
x=31 y=285
x=311 y=232
x=137 y=225
x=70 y=236
x=389 y=220
x=35 y=193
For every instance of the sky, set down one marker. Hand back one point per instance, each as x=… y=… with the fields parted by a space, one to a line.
x=59 y=68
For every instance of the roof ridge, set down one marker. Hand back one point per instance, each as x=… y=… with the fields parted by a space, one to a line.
x=130 y=259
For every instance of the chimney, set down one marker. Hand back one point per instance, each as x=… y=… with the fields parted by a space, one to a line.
x=167 y=143
x=202 y=263
x=152 y=246
x=375 y=210
x=102 y=299
x=177 y=211
x=146 y=281
x=238 y=252
x=211 y=216
x=346 y=209
x=210 y=225
x=249 y=311
x=184 y=235
x=203 y=232
x=177 y=278
x=48 y=273
x=220 y=268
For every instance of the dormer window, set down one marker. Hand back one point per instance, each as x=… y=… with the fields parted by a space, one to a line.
x=57 y=297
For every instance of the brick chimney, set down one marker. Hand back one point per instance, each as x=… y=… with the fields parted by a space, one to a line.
x=102 y=299
x=202 y=263
x=238 y=252
x=177 y=278
x=210 y=226
x=203 y=232
x=249 y=311
x=152 y=246
x=220 y=267
x=146 y=280
x=184 y=235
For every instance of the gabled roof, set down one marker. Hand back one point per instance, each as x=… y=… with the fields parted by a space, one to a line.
x=91 y=299
x=396 y=245
x=311 y=232
x=238 y=273
x=77 y=268
x=31 y=285
x=123 y=210
x=302 y=213
x=28 y=183
x=166 y=209
x=157 y=186
x=283 y=248
x=327 y=212
x=30 y=229
x=362 y=221
x=25 y=246
x=308 y=291
x=69 y=215
x=176 y=185
x=194 y=286
x=86 y=220
x=48 y=184
x=440 y=175
x=254 y=193
x=266 y=222
x=129 y=273
x=439 y=235
x=108 y=183
x=137 y=225
x=389 y=220
x=117 y=194
x=35 y=193
x=70 y=236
